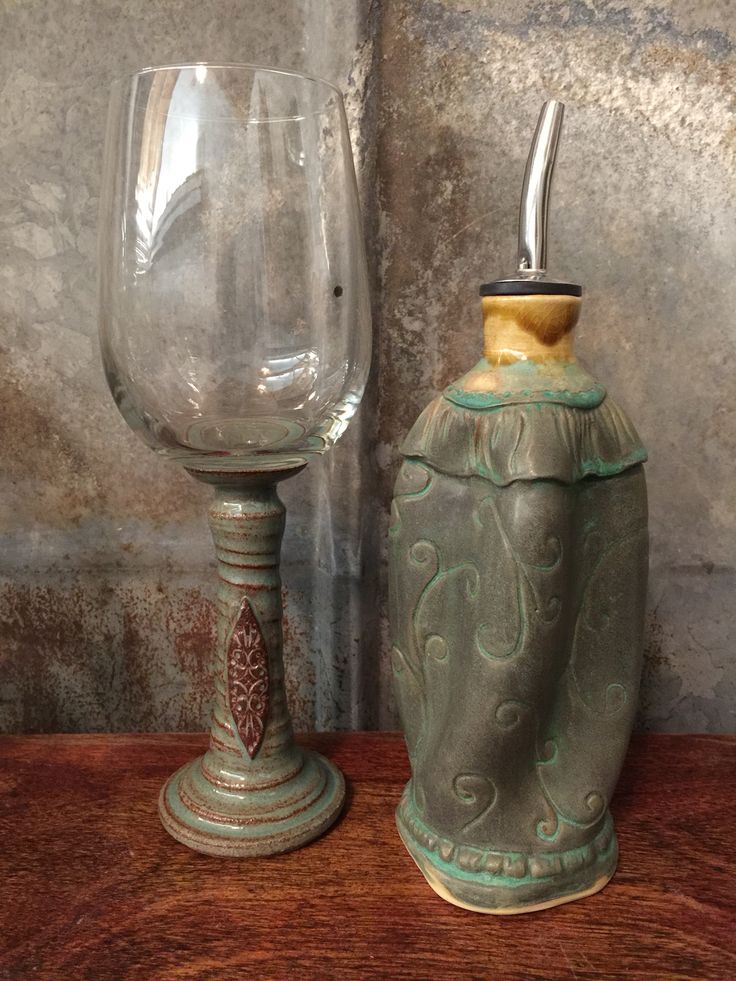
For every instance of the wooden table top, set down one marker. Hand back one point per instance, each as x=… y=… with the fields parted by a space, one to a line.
x=91 y=887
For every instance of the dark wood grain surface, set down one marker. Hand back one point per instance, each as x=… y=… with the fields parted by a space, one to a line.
x=91 y=887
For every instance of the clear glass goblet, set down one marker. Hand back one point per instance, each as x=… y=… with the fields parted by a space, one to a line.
x=235 y=333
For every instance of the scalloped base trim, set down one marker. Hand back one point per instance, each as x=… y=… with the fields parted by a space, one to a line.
x=487 y=881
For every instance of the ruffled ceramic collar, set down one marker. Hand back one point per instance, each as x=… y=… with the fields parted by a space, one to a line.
x=525 y=438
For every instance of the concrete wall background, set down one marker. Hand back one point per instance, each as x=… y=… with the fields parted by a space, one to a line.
x=105 y=558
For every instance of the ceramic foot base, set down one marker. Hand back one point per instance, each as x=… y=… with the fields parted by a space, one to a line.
x=217 y=817
x=517 y=884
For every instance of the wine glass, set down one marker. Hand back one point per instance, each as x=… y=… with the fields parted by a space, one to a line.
x=235 y=334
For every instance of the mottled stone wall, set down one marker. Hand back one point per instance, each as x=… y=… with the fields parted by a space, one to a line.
x=644 y=215
x=106 y=564
x=105 y=561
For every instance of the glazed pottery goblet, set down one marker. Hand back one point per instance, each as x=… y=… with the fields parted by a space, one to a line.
x=235 y=334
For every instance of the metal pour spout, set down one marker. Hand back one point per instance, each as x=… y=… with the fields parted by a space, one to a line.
x=532 y=255
x=530 y=278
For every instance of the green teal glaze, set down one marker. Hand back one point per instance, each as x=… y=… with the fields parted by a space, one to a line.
x=493 y=400
x=237 y=800
x=319 y=791
x=603 y=468
x=519 y=441
x=573 y=856
x=531 y=383
x=517 y=580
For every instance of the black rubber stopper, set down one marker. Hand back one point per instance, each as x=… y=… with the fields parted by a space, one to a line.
x=530 y=287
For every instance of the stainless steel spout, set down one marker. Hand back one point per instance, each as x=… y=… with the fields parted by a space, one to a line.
x=532 y=256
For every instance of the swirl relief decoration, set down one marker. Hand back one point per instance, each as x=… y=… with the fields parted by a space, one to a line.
x=247 y=679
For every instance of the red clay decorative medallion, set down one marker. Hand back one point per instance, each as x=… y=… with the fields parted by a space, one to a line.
x=247 y=674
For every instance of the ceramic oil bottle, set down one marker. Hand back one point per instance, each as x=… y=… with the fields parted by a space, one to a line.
x=518 y=567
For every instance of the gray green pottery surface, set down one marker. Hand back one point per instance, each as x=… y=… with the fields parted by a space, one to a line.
x=254 y=792
x=518 y=564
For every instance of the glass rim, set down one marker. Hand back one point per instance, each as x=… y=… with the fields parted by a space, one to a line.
x=242 y=65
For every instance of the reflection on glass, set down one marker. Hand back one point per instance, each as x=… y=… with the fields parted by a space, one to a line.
x=234 y=311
